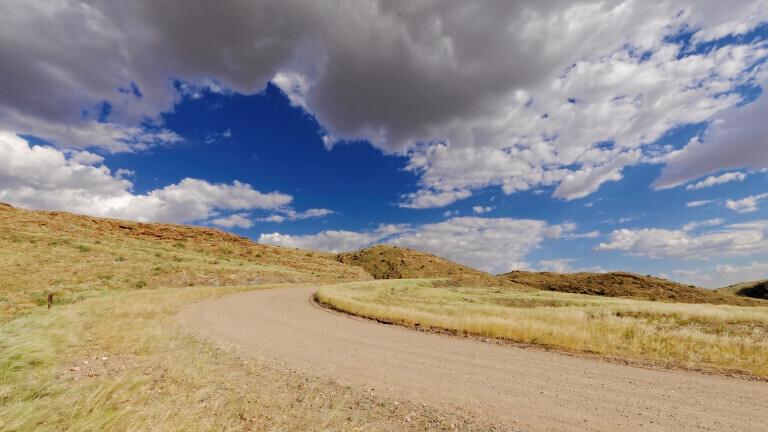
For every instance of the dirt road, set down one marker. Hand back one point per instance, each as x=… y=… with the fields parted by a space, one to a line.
x=531 y=389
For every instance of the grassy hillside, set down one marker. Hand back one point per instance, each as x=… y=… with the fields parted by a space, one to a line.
x=756 y=289
x=621 y=284
x=393 y=262
x=76 y=257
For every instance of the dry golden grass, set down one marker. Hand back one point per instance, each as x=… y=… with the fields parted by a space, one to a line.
x=77 y=257
x=701 y=335
x=125 y=361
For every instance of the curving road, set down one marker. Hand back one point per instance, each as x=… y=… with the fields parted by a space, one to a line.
x=532 y=389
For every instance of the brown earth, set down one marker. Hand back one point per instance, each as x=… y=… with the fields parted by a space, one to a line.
x=622 y=284
x=528 y=389
x=394 y=262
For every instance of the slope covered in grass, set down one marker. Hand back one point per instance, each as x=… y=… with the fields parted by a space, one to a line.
x=76 y=257
x=127 y=362
x=755 y=289
x=393 y=262
x=622 y=284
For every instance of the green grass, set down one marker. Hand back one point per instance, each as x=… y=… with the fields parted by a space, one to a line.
x=701 y=335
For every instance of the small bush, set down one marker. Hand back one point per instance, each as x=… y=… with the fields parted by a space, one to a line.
x=141 y=284
x=82 y=248
x=120 y=258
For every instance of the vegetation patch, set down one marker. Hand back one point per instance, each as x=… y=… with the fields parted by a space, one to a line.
x=125 y=361
x=698 y=335
x=623 y=284
x=394 y=262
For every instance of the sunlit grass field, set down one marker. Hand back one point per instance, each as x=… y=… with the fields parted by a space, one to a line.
x=699 y=335
x=125 y=361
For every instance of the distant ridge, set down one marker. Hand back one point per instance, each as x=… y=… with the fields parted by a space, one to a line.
x=394 y=262
x=623 y=284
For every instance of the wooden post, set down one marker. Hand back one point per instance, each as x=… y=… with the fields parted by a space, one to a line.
x=50 y=299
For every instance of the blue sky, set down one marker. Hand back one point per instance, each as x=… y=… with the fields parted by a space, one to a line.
x=633 y=138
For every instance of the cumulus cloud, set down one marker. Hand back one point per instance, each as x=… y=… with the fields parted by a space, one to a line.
x=240 y=220
x=493 y=244
x=737 y=138
x=746 y=205
x=292 y=215
x=690 y=226
x=333 y=240
x=481 y=209
x=716 y=180
x=743 y=239
x=557 y=265
x=429 y=199
x=512 y=94
x=40 y=177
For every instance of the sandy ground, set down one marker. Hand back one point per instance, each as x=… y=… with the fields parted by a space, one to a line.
x=530 y=389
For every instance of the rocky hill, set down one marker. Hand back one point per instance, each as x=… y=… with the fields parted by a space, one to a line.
x=394 y=262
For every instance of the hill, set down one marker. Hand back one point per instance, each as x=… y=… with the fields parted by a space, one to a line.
x=622 y=284
x=756 y=289
x=76 y=257
x=394 y=262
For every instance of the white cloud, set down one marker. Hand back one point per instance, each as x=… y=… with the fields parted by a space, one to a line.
x=746 y=205
x=556 y=265
x=742 y=273
x=591 y=234
x=698 y=203
x=690 y=226
x=743 y=239
x=85 y=158
x=290 y=214
x=332 y=240
x=122 y=173
x=737 y=138
x=481 y=209
x=724 y=274
x=239 y=220
x=512 y=94
x=39 y=177
x=430 y=199
x=492 y=244
x=713 y=180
